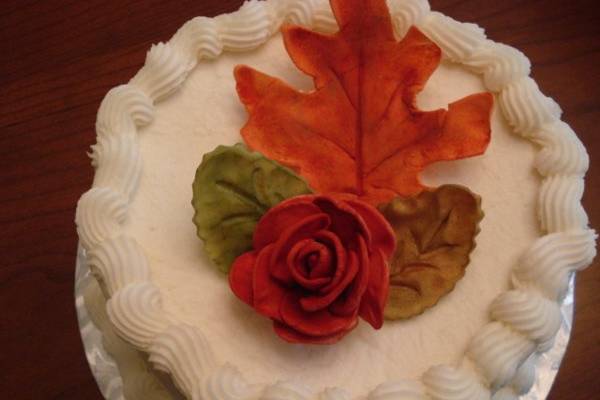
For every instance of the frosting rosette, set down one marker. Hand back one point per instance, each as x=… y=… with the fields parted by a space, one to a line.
x=319 y=262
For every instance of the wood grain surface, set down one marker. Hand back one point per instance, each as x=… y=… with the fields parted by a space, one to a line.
x=57 y=61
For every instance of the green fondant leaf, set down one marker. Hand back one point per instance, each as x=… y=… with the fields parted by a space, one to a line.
x=233 y=188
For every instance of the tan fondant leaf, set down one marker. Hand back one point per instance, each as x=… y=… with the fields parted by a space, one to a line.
x=435 y=233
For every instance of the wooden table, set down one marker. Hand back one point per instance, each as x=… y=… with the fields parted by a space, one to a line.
x=59 y=58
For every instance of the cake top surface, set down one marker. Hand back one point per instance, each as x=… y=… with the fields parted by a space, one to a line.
x=161 y=216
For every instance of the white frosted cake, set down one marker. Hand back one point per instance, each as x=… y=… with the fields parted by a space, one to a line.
x=166 y=298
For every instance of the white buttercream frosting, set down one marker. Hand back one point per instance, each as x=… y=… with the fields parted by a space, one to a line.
x=334 y=394
x=100 y=212
x=448 y=383
x=136 y=312
x=227 y=383
x=288 y=391
x=399 y=390
x=118 y=164
x=246 y=28
x=198 y=38
x=561 y=153
x=499 y=352
x=499 y=64
x=525 y=376
x=521 y=383
x=549 y=262
x=118 y=262
x=124 y=108
x=183 y=352
x=526 y=108
x=407 y=13
x=529 y=313
x=457 y=40
x=299 y=12
x=323 y=18
x=560 y=206
x=163 y=73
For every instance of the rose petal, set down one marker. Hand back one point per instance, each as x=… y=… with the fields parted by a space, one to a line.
x=318 y=257
x=382 y=234
x=303 y=229
x=240 y=276
x=346 y=222
x=295 y=258
x=375 y=297
x=349 y=302
x=318 y=323
x=292 y=336
x=301 y=273
x=324 y=267
x=333 y=242
x=268 y=293
x=285 y=214
x=317 y=303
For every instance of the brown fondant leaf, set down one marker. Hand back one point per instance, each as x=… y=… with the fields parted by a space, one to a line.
x=435 y=233
x=360 y=131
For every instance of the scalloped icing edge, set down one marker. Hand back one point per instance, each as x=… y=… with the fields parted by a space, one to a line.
x=569 y=246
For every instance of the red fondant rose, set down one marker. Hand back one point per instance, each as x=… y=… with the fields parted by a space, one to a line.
x=319 y=262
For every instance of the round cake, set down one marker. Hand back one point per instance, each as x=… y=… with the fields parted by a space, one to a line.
x=166 y=298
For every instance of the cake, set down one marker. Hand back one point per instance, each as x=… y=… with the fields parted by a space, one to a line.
x=166 y=298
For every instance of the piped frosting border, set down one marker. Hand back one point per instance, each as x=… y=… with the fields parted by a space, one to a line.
x=500 y=360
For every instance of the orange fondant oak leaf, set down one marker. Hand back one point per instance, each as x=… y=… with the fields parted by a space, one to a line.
x=360 y=130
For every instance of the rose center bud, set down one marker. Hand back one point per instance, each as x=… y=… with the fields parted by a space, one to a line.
x=311 y=261
x=310 y=264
